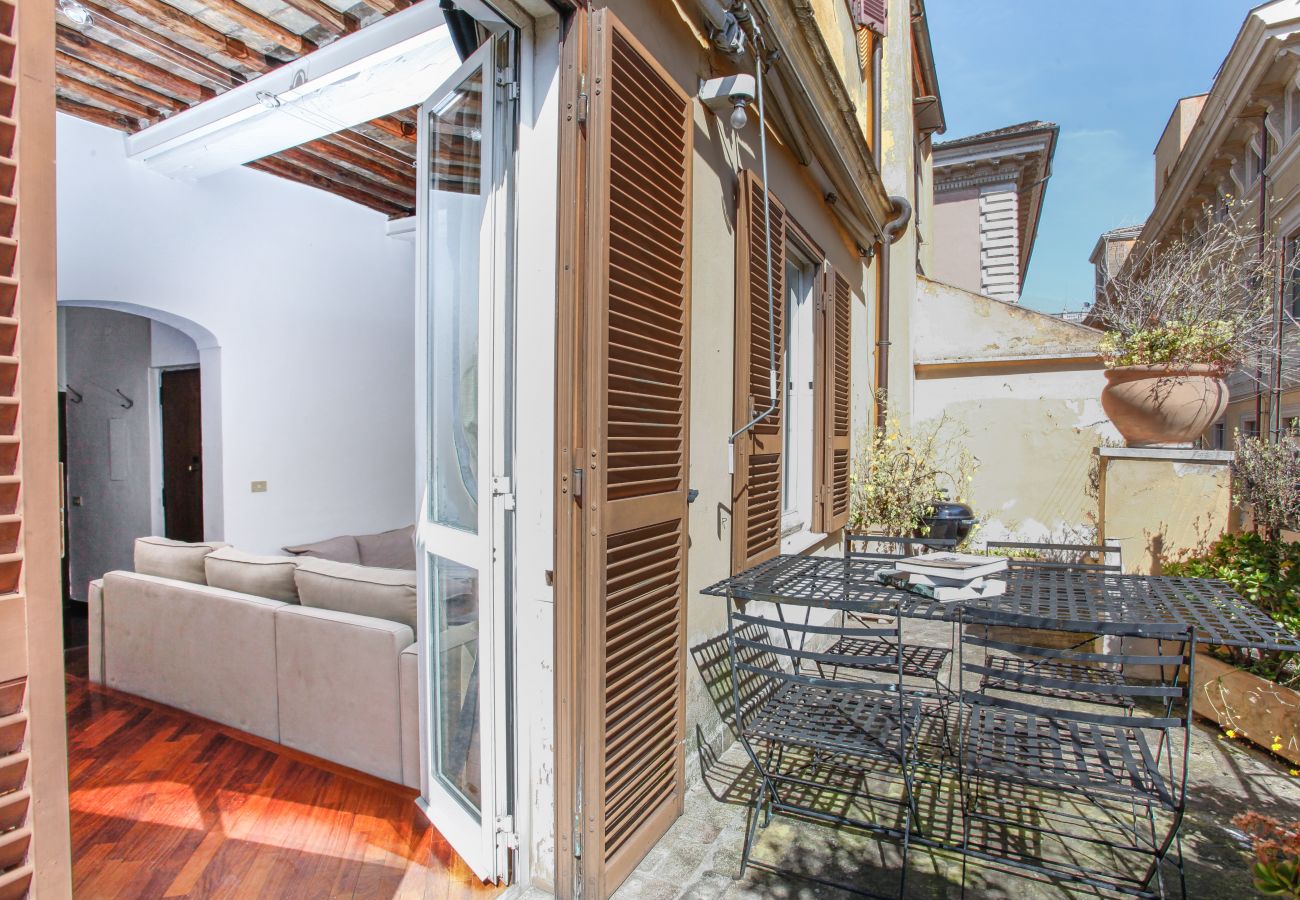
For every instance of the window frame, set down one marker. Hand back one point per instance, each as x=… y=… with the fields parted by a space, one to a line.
x=798 y=518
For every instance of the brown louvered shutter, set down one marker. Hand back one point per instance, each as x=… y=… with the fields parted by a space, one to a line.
x=639 y=137
x=35 y=857
x=833 y=416
x=871 y=14
x=756 y=478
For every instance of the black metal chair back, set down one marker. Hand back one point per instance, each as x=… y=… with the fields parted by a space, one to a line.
x=1058 y=721
x=817 y=739
x=886 y=547
x=1075 y=557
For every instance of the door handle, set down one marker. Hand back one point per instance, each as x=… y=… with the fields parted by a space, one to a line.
x=194 y=466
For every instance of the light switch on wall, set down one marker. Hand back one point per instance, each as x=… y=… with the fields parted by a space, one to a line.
x=259 y=487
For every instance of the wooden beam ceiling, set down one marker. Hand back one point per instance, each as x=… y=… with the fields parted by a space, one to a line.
x=138 y=61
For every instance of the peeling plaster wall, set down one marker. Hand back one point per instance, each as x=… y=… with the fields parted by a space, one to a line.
x=1189 y=494
x=1023 y=391
x=311 y=305
x=897 y=169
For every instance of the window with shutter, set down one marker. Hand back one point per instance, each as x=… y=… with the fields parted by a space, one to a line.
x=871 y=14
x=637 y=302
x=757 y=479
x=834 y=428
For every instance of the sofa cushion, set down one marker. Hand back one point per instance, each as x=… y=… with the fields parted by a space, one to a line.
x=177 y=560
x=339 y=549
x=361 y=590
x=389 y=549
x=245 y=573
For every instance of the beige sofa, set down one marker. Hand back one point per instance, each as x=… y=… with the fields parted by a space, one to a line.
x=305 y=671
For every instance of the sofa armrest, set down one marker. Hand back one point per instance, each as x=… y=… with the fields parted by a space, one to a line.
x=95 y=611
x=409 y=665
x=337 y=677
x=203 y=649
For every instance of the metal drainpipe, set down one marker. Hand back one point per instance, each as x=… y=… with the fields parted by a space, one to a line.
x=892 y=231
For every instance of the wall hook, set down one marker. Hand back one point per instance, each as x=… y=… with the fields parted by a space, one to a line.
x=128 y=401
x=74 y=395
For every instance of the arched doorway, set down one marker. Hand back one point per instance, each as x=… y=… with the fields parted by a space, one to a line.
x=141 y=436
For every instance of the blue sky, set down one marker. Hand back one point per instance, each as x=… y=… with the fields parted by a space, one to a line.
x=1108 y=72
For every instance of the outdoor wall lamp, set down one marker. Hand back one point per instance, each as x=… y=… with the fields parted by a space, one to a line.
x=734 y=92
x=74 y=12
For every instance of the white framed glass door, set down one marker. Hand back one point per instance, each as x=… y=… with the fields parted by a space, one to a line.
x=460 y=248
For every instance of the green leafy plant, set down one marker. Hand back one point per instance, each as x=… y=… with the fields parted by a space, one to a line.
x=900 y=473
x=1266 y=482
x=1276 y=846
x=1200 y=299
x=1265 y=572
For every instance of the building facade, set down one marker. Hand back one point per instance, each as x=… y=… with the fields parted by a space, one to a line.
x=988 y=198
x=1238 y=144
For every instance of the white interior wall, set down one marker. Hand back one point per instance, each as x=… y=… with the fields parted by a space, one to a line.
x=108 y=457
x=311 y=312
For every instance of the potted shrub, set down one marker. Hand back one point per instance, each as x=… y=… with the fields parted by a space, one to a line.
x=1177 y=319
x=901 y=478
x=1252 y=694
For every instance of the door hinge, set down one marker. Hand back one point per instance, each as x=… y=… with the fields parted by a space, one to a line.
x=583 y=99
x=503 y=490
x=507 y=837
x=510 y=85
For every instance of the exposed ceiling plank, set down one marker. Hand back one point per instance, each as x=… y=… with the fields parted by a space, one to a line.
x=185 y=25
x=326 y=15
x=366 y=153
x=395 y=127
x=294 y=173
x=86 y=72
x=77 y=44
x=339 y=175
x=389 y=6
x=261 y=26
x=95 y=114
x=107 y=99
x=160 y=46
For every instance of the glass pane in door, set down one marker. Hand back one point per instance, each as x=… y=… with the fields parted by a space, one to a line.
x=457 y=205
x=453 y=590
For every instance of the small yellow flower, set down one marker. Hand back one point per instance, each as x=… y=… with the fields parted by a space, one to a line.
x=1295 y=771
x=1231 y=734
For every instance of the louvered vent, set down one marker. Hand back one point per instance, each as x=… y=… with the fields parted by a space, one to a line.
x=871 y=14
x=757 y=501
x=15 y=797
x=647 y=284
x=642 y=619
x=841 y=399
x=646 y=318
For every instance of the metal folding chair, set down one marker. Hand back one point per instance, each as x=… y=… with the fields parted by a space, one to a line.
x=1047 y=760
x=919 y=661
x=826 y=748
x=1074 y=557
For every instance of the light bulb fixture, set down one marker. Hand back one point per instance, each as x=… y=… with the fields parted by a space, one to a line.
x=739 y=118
x=732 y=92
x=75 y=13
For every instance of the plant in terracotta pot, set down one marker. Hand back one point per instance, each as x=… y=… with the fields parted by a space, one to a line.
x=1177 y=319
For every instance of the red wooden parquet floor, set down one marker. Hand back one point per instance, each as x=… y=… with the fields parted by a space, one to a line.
x=165 y=804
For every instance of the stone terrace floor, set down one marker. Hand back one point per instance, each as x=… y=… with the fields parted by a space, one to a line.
x=700 y=856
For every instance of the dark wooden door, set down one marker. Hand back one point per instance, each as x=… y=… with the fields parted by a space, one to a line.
x=182 y=438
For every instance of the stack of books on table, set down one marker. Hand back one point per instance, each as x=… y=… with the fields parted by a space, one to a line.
x=948 y=576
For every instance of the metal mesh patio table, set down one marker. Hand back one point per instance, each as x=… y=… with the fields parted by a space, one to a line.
x=1066 y=600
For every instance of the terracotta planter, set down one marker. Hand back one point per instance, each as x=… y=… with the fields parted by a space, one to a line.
x=1163 y=406
x=1255 y=709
